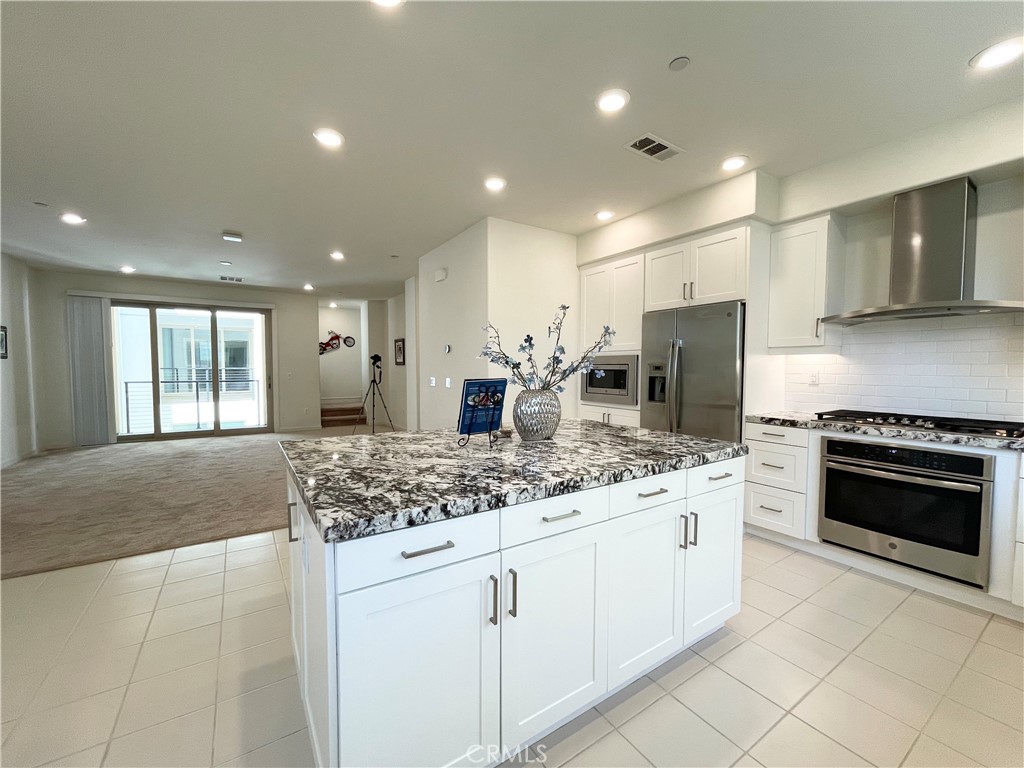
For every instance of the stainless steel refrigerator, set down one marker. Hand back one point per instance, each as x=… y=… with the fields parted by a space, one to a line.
x=691 y=371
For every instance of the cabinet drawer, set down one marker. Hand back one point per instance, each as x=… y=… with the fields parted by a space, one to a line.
x=781 y=466
x=634 y=495
x=772 y=434
x=537 y=519
x=395 y=554
x=775 y=509
x=711 y=477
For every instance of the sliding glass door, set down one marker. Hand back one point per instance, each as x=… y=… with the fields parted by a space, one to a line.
x=189 y=370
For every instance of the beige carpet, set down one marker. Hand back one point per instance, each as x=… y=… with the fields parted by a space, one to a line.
x=84 y=506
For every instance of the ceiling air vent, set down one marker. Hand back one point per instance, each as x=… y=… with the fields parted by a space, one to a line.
x=652 y=147
x=229 y=279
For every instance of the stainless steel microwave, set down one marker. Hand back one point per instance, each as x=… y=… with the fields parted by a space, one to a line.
x=617 y=385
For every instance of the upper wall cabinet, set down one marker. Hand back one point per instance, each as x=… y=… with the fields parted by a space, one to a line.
x=613 y=294
x=805 y=281
x=703 y=271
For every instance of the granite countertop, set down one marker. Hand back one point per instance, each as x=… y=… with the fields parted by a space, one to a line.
x=810 y=421
x=367 y=484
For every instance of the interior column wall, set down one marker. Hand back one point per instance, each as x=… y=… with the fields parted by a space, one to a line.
x=17 y=401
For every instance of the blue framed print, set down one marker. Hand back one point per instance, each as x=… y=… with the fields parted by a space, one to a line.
x=482 y=404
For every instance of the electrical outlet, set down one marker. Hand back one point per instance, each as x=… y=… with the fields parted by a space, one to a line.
x=812 y=378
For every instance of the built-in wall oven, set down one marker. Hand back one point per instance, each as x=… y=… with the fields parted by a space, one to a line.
x=615 y=385
x=929 y=509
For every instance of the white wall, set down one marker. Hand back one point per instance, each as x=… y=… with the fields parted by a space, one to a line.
x=530 y=272
x=987 y=138
x=412 y=391
x=17 y=404
x=294 y=327
x=753 y=194
x=395 y=374
x=451 y=312
x=341 y=371
x=955 y=366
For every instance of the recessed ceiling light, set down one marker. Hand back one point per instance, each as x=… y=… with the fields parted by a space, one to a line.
x=307 y=287
x=388 y=3
x=127 y=270
x=226 y=263
x=231 y=237
x=337 y=255
x=72 y=218
x=613 y=100
x=329 y=137
x=999 y=54
x=679 y=63
x=734 y=163
x=495 y=183
x=604 y=215
x=333 y=305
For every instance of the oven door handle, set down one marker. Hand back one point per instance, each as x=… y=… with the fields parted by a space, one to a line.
x=934 y=482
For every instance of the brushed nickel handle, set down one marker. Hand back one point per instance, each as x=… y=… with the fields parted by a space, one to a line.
x=684 y=291
x=770 y=509
x=514 y=610
x=720 y=477
x=566 y=516
x=693 y=293
x=291 y=537
x=773 y=434
x=653 y=493
x=428 y=551
x=773 y=466
x=696 y=521
x=494 y=600
x=686 y=532
x=817 y=327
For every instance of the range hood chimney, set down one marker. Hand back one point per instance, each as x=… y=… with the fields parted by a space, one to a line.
x=932 y=268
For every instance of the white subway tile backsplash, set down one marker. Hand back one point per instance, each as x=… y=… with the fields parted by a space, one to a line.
x=963 y=366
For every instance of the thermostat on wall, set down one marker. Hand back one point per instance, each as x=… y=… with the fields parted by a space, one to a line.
x=440 y=275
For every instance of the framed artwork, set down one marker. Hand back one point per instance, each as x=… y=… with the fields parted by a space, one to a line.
x=3 y=342
x=482 y=403
x=399 y=351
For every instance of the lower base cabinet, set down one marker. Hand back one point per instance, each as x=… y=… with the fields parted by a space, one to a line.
x=420 y=668
x=554 y=657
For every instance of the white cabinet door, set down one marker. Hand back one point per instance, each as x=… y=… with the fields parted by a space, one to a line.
x=645 y=605
x=796 y=284
x=319 y=654
x=419 y=666
x=624 y=418
x=593 y=414
x=596 y=301
x=667 y=278
x=711 y=584
x=554 y=653
x=297 y=566
x=627 y=303
x=718 y=267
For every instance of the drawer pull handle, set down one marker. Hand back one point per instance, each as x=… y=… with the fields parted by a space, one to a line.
x=720 y=477
x=514 y=610
x=770 y=509
x=291 y=537
x=494 y=600
x=772 y=434
x=686 y=532
x=653 y=493
x=696 y=520
x=566 y=516
x=772 y=466
x=429 y=550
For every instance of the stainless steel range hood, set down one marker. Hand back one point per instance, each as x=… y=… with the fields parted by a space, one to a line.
x=932 y=268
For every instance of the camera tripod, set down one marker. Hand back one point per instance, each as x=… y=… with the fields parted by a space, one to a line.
x=373 y=392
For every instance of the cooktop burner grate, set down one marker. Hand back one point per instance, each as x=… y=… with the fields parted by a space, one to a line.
x=981 y=427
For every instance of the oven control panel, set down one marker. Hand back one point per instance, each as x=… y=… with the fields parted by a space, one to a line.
x=950 y=463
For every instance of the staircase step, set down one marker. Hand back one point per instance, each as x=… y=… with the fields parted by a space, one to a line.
x=341 y=421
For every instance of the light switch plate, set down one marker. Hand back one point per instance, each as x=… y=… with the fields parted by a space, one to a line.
x=433 y=381
x=448 y=382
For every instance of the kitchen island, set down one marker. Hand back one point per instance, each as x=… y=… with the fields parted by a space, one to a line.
x=452 y=605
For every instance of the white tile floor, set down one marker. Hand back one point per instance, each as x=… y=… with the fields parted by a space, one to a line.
x=182 y=658
x=178 y=658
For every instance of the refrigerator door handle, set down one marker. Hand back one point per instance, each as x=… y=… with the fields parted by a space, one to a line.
x=670 y=386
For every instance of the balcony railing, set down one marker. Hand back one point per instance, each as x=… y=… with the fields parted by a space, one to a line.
x=236 y=386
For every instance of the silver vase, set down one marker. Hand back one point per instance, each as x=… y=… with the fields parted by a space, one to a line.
x=536 y=414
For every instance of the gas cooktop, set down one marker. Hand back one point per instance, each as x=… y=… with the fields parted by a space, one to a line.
x=983 y=427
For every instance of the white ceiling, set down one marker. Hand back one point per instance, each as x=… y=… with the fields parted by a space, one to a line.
x=165 y=123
